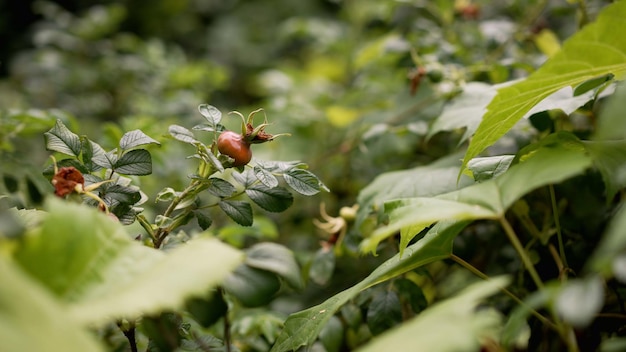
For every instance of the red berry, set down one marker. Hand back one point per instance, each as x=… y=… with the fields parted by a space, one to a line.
x=233 y=145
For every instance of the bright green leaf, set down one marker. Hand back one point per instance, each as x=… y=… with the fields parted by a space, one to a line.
x=136 y=138
x=597 y=49
x=452 y=325
x=275 y=258
x=239 y=211
x=135 y=162
x=275 y=199
x=61 y=139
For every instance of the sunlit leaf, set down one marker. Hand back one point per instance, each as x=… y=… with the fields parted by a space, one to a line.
x=302 y=181
x=266 y=177
x=487 y=168
x=61 y=139
x=210 y=113
x=136 y=138
x=597 y=49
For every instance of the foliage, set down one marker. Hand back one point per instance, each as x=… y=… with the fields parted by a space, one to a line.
x=460 y=142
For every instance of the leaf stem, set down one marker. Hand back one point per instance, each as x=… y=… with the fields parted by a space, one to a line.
x=521 y=251
x=557 y=223
x=517 y=300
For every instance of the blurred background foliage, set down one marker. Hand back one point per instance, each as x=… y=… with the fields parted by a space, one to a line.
x=357 y=84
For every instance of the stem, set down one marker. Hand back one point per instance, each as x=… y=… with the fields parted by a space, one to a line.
x=161 y=233
x=483 y=276
x=146 y=226
x=521 y=252
x=130 y=336
x=227 y=336
x=557 y=223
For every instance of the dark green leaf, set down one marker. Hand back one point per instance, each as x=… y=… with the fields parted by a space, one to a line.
x=102 y=158
x=204 y=220
x=210 y=113
x=136 y=138
x=322 y=266
x=252 y=287
x=609 y=157
x=87 y=154
x=266 y=177
x=122 y=194
x=275 y=199
x=592 y=83
x=61 y=139
x=182 y=134
x=239 y=211
x=135 y=162
x=207 y=310
x=331 y=335
x=384 y=311
x=409 y=292
x=220 y=188
x=163 y=331
x=275 y=258
x=302 y=181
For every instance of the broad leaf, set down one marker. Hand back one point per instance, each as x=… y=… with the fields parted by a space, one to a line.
x=220 y=187
x=102 y=158
x=302 y=181
x=135 y=162
x=61 y=139
x=598 y=49
x=463 y=326
x=275 y=199
x=384 y=311
x=182 y=134
x=211 y=114
x=136 y=138
x=277 y=259
x=88 y=261
x=487 y=200
x=122 y=194
x=34 y=320
x=239 y=211
x=266 y=177
x=253 y=287
x=302 y=328
x=487 y=168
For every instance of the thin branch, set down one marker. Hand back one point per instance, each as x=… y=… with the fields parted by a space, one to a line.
x=521 y=252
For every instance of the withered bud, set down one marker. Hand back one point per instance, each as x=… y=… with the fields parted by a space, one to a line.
x=66 y=179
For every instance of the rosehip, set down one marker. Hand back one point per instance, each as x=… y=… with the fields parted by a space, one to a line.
x=235 y=146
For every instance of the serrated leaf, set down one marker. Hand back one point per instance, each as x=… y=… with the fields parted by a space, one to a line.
x=34 y=320
x=487 y=168
x=239 y=211
x=487 y=200
x=275 y=199
x=275 y=258
x=220 y=187
x=135 y=162
x=182 y=134
x=302 y=181
x=61 y=139
x=204 y=220
x=464 y=325
x=302 y=328
x=136 y=138
x=265 y=176
x=122 y=194
x=104 y=159
x=384 y=311
x=107 y=275
x=597 y=49
x=210 y=113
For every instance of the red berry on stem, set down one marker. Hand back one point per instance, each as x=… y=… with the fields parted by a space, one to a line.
x=235 y=146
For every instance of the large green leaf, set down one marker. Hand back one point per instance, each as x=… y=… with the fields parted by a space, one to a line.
x=612 y=124
x=61 y=139
x=487 y=200
x=452 y=325
x=31 y=319
x=598 y=49
x=303 y=327
x=87 y=260
x=135 y=162
x=136 y=138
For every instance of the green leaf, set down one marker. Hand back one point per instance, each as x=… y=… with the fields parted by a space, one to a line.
x=487 y=200
x=239 y=211
x=465 y=111
x=612 y=124
x=597 y=49
x=275 y=199
x=384 y=311
x=135 y=162
x=204 y=220
x=322 y=266
x=302 y=181
x=487 y=168
x=119 y=193
x=275 y=258
x=207 y=310
x=88 y=261
x=411 y=293
x=303 y=327
x=210 y=113
x=463 y=326
x=609 y=157
x=266 y=177
x=564 y=100
x=220 y=187
x=136 y=138
x=182 y=134
x=253 y=287
x=102 y=158
x=34 y=320
x=593 y=83
x=61 y=139
x=612 y=245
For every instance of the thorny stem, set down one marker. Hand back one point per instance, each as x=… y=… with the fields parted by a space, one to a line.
x=483 y=276
x=521 y=252
x=557 y=223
